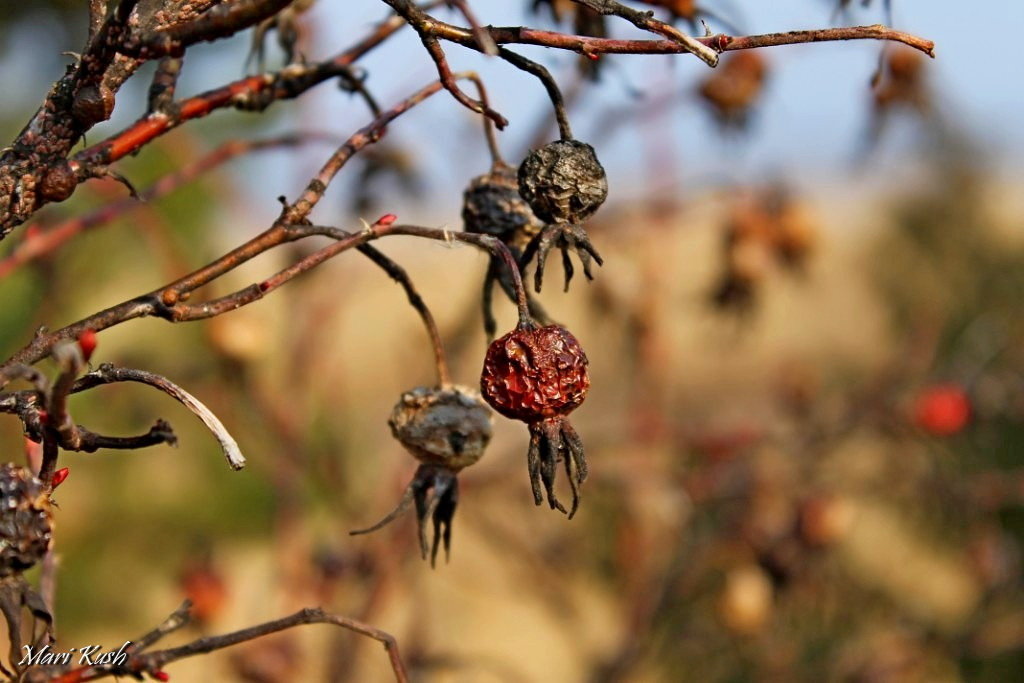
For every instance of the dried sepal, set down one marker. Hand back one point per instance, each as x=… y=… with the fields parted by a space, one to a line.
x=567 y=238
x=435 y=492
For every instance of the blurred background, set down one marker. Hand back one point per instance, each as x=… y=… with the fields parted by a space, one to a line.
x=807 y=359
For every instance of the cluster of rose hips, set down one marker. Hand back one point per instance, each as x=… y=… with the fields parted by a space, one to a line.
x=768 y=227
x=535 y=373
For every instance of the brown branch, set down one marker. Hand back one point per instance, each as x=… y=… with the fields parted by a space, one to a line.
x=169 y=302
x=399 y=275
x=160 y=433
x=107 y=374
x=39 y=242
x=219 y=22
x=720 y=42
x=250 y=92
x=165 y=80
x=489 y=134
x=550 y=85
x=646 y=22
x=97 y=15
x=153 y=662
x=50 y=134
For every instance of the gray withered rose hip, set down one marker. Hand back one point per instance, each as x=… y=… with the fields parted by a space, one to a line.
x=563 y=181
x=539 y=375
x=492 y=205
x=446 y=429
x=564 y=184
x=26 y=520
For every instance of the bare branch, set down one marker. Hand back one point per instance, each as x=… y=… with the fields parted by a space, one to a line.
x=107 y=374
x=646 y=21
x=153 y=662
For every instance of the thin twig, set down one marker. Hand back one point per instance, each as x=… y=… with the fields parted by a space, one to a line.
x=720 y=42
x=107 y=374
x=40 y=242
x=152 y=662
x=483 y=38
x=645 y=21
x=422 y=23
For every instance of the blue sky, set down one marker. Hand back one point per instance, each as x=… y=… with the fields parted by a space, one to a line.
x=809 y=127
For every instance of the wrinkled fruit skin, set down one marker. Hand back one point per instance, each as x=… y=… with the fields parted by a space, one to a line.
x=26 y=522
x=563 y=182
x=448 y=427
x=491 y=205
x=532 y=375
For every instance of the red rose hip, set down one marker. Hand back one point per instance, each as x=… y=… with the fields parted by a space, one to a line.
x=532 y=375
x=539 y=376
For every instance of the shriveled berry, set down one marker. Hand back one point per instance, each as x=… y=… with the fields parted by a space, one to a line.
x=535 y=374
x=448 y=427
x=491 y=205
x=563 y=182
x=26 y=521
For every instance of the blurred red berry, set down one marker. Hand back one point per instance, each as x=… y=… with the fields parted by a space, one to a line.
x=87 y=342
x=942 y=409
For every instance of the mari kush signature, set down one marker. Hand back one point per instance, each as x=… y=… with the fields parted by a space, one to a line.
x=88 y=655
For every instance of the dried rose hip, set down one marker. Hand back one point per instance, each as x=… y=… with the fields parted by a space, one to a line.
x=564 y=184
x=491 y=205
x=539 y=376
x=446 y=429
x=563 y=181
x=26 y=521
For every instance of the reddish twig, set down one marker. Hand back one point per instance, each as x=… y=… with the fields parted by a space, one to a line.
x=170 y=302
x=720 y=42
x=39 y=242
x=483 y=38
x=422 y=23
x=646 y=22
